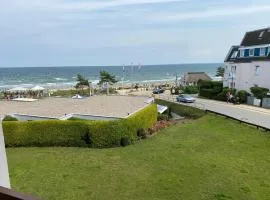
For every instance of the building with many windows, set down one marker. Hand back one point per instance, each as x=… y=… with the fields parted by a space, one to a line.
x=248 y=65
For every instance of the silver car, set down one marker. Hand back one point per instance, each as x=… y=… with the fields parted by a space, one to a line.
x=185 y=98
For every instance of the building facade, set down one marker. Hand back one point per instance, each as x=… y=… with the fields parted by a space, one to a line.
x=248 y=65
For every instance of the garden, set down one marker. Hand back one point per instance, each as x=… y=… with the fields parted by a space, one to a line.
x=209 y=158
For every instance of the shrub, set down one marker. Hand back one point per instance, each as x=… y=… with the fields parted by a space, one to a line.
x=98 y=134
x=191 y=90
x=125 y=141
x=162 y=117
x=242 y=94
x=10 y=118
x=45 y=133
x=141 y=133
x=259 y=92
x=182 y=110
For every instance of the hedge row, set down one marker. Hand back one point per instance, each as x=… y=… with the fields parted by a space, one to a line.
x=182 y=110
x=98 y=134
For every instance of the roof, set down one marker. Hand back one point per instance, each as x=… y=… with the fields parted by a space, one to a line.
x=257 y=37
x=257 y=40
x=192 y=77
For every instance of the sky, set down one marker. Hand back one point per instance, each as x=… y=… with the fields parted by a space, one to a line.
x=116 y=32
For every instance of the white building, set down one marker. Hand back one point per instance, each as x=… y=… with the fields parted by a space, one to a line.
x=248 y=65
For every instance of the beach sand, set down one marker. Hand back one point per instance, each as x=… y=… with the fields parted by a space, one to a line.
x=113 y=106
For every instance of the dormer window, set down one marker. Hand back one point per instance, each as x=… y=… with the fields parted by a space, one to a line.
x=262 y=51
x=242 y=53
x=261 y=35
x=251 y=52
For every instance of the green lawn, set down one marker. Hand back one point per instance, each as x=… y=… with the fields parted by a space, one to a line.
x=211 y=158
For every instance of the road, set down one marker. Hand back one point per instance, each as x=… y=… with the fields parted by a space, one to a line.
x=253 y=115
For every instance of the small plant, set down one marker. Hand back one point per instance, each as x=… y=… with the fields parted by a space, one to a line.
x=242 y=94
x=163 y=117
x=10 y=118
x=141 y=133
x=125 y=141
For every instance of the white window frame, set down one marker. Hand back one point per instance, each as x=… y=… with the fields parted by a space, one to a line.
x=251 y=50
x=242 y=53
x=262 y=51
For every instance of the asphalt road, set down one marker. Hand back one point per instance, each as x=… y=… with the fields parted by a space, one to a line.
x=249 y=114
x=253 y=115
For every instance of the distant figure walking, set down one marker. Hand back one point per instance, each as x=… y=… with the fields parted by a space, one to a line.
x=229 y=97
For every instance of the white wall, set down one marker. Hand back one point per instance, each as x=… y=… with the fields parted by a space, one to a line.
x=4 y=175
x=246 y=77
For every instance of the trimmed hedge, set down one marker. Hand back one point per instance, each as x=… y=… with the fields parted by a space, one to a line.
x=182 y=110
x=97 y=134
x=45 y=133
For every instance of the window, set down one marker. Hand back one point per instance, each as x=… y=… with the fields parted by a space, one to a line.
x=262 y=51
x=251 y=52
x=234 y=55
x=242 y=53
x=257 y=70
x=261 y=34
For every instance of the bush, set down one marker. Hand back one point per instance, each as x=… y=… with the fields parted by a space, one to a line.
x=182 y=110
x=191 y=90
x=242 y=95
x=162 y=117
x=259 y=92
x=83 y=133
x=141 y=133
x=45 y=133
x=10 y=118
x=125 y=141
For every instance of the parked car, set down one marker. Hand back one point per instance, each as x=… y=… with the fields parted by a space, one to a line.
x=158 y=91
x=185 y=98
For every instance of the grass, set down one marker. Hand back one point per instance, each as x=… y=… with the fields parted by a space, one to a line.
x=211 y=158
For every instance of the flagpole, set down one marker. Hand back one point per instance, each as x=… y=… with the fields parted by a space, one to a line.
x=123 y=76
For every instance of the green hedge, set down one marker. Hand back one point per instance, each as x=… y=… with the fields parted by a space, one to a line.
x=98 y=134
x=182 y=110
x=45 y=133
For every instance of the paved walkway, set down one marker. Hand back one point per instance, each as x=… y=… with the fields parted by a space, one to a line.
x=254 y=115
x=4 y=175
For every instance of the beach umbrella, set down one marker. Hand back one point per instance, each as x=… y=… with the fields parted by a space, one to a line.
x=37 y=88
x=18 y=89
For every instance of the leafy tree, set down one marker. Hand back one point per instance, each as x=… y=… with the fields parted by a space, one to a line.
x=220 y=71
x=107 y=78
x=191 y=89
x=83 y=82
x=259 y=92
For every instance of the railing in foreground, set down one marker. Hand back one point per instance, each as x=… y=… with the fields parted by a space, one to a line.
x=7 y=194
x=239 y=120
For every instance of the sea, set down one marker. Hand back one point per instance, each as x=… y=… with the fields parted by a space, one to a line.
x=65 y=77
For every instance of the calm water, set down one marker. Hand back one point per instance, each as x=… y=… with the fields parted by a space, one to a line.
x=64 y=77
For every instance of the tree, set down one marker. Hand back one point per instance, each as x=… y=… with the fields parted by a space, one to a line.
x=107 y=78
x=220 y=71
x=82 y=82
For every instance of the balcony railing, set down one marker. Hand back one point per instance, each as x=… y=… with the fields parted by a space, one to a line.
x=7 y=194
